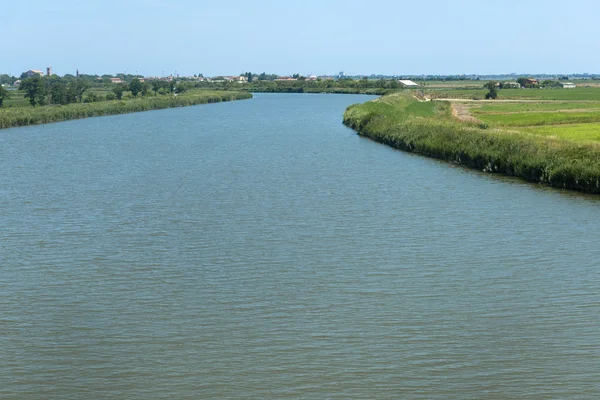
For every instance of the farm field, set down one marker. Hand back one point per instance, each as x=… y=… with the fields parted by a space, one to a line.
x=452 y=84
x=573 y=132
x=521 y=107
x=574 y=120
x=540 y=118
x=577 y=94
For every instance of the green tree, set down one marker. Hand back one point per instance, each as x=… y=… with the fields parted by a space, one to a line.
x=35 y=89
x=172 y=85
x=250 y=77
x=75 y=90
x=135 y=87
x=493 y=91
x=91 y=98
x=3 y=95
x=157 y=85
x=7 y=79
x=119 y=89
x=146 y=88
x=58 y=93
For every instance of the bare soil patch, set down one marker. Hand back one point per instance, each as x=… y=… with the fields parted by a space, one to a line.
x=461 y=112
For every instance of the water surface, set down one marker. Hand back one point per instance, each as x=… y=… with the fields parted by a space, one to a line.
x=260 y=249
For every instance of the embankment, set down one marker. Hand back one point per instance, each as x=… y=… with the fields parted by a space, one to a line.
x=371 y=91
x=430 y=130
x=23 y=116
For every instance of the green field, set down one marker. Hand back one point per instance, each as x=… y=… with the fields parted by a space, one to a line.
x=493 y=108
x=579 y=94
x=572 y=120
x=575 y=132
x=537 y=118
x=16 y=99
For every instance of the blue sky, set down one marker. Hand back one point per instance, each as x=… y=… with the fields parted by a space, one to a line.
x=152 y=37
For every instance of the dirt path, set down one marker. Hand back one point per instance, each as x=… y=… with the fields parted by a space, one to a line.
x=462 y=113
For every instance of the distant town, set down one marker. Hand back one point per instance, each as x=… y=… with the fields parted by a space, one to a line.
x=12 y=82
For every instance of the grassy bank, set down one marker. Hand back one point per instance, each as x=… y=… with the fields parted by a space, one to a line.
x=339 y=90
x=22 y=116
x=429 y=129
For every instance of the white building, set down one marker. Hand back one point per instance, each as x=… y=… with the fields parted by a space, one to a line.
x=568 y=85
x=407 y=83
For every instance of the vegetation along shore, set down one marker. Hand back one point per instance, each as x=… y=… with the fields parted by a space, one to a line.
x=21 y=116
x=555 y=143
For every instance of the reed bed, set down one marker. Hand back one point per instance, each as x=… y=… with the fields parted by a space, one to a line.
x=13 y=117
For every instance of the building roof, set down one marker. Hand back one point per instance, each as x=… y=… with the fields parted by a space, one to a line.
x=406 y=82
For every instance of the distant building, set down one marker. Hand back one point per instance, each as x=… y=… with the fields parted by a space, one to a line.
x=34 y=72
x=407 y=83
x=286 y=79
x=116 y=80
x=49 y=71
x=511 y=85
x=531 y=82
x=312 y=78
x=17 y=83
x=568 y=85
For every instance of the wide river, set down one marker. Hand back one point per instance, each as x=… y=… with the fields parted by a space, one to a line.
x=259 y=249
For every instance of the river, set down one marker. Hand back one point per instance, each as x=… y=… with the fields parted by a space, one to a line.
x=260 y=249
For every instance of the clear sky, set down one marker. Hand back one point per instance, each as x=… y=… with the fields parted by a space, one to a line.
x=155 y=37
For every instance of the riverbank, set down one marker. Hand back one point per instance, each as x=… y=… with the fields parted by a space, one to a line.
x=369 y=91
x=13 y=117
x=428 y=128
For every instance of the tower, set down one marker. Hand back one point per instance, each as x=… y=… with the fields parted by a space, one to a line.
x=49 y=71
x=77 y=73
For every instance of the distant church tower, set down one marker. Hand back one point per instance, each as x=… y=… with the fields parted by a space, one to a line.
x=77 y=73
x=49 y=71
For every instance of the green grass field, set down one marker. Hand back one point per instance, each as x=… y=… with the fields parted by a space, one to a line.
x=16 y=99
x=574 y=132
x=535 y=119
x=577 y=94
x=451 y=84
x=493 y=108
x=571 y=120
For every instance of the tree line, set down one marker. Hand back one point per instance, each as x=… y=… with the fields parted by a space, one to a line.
x=40 y=91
